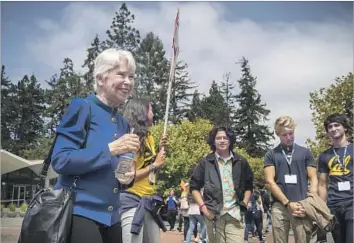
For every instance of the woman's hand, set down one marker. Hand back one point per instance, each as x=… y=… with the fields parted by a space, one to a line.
x=160 y=158
x=125 y=144
x=163 y=141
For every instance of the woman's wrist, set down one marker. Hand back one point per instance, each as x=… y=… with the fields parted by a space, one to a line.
x=201 y=206
x=153 y=167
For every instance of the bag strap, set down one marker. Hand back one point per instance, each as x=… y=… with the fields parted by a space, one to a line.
x=48 y=159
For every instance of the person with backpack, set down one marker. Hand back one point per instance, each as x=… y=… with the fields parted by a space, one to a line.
x=267 y=209
x=195 y=216
x=255 y=214
x=184 y=209
x=172 y=209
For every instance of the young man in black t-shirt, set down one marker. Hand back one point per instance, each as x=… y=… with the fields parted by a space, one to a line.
x=336 y=163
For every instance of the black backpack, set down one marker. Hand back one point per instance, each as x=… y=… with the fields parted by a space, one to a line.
x=266 y=199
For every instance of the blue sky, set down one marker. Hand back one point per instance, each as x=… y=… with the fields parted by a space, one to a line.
x=303 y=45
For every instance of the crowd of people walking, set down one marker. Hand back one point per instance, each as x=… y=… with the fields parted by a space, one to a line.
x=221 y=202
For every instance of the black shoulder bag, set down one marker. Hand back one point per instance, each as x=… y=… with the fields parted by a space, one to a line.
x=49 y=214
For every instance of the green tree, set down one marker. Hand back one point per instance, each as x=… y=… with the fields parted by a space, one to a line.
x=196 y=110
x=251 y=115
x=187 y=145
x=122 y=34
x=181 y=93
x=214 y=106
x=92 y=52
x=227 y=90
x=28 y=123
x=41 y=150
x=8 y=110
x=64 y=88
x=152 y=73
x=337 y=98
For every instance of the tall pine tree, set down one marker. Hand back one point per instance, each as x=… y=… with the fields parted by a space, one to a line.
x=253 y=134
x=196 y=110
x=214 y=106
x=181 y=93
x=122 y=34
x=152 y=73
x=8 y=110
x=64 y=88
x=92 y=52
x=28 y=124
x=227 y=90
x=152 y=66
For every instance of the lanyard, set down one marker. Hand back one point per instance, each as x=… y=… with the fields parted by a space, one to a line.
x=338 y=158
x=289 y=158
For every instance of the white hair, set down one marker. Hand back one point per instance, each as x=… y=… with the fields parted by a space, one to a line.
x=110 y=59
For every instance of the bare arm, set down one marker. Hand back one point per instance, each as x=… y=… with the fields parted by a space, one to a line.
x=322 y=186
x=159 y=162
x=247 y=196
x=312 y=175
x=197 y=197
x=260 y=202
x=296 y=208
x=142 y=173
x=269 y=172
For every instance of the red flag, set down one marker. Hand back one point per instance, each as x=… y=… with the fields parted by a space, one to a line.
x=175 y=53
x=175 y=45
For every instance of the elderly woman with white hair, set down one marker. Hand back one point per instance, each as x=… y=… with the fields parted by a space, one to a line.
x=91 y=137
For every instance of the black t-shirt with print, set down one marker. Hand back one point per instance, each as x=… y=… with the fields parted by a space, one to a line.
x=328 y=163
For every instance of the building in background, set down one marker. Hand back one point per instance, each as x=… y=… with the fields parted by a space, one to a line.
x=19 y=178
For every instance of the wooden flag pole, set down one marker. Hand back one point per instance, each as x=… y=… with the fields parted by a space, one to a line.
x=172 y=69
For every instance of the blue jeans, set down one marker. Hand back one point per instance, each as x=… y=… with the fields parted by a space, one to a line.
x=269 y=220
x=193 y=219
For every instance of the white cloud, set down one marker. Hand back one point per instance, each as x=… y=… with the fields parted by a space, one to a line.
x=289 y=59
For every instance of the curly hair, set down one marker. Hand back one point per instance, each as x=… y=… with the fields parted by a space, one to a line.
x=229 y=133
x=136 y=113
x=336 y=117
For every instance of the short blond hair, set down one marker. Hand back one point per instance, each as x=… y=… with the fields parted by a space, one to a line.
x=110 y=59
x=284 y=122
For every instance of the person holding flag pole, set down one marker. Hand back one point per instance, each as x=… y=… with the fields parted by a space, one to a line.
x=140 y=205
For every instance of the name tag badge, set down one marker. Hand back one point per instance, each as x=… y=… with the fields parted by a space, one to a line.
x=290 y=179
x=343 y=186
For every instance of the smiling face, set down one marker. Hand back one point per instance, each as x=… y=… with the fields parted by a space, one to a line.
x=222 y=142
x=335 y=130
x=117 y=85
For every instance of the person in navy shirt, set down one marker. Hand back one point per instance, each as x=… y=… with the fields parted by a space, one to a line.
x=335 y=166
x=90 y=139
